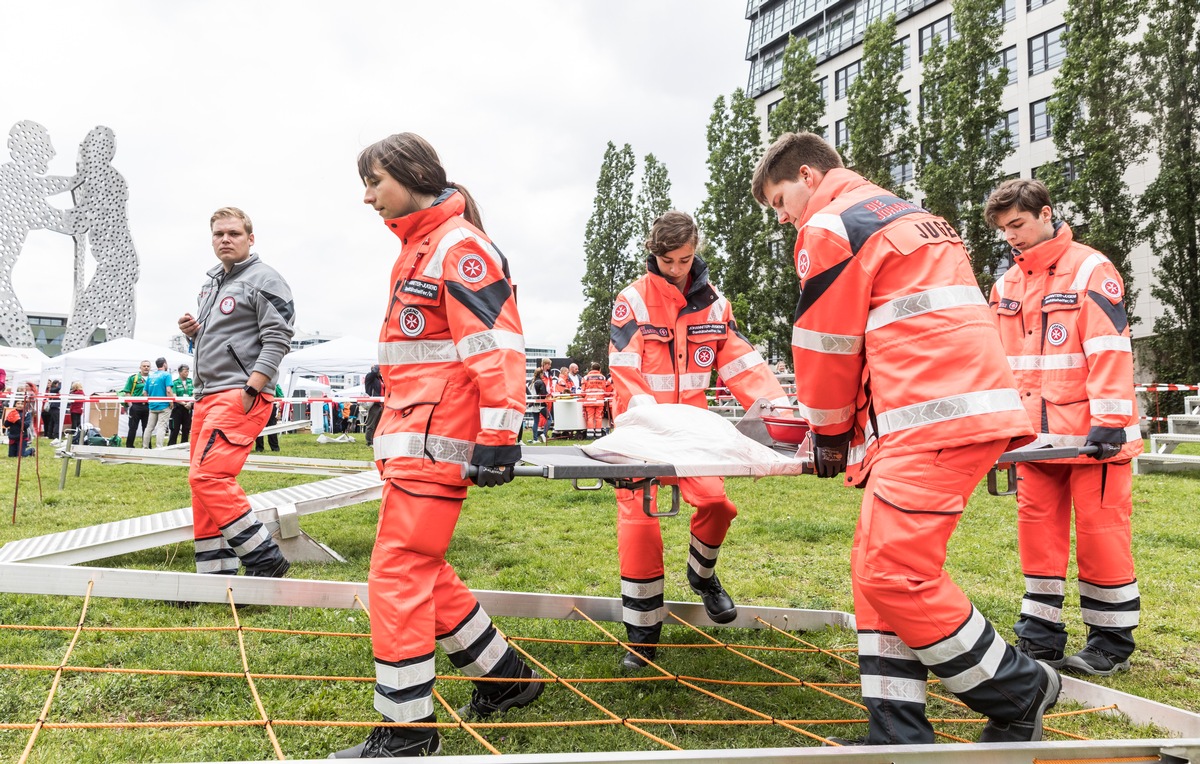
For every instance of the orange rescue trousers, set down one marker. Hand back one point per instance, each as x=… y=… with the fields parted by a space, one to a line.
x=911 y=617
x=225 y=528
x=417 y=601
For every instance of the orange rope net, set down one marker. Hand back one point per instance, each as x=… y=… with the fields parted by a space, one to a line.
x=582 y=688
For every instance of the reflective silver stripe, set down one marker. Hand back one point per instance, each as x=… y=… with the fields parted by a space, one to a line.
x=487 y=659
x=738 y=365
x=467 y=633
x=642 y=399
x=942 y=298
x=417 y=351
x=695 y=381
x=643 y=617
x=893 y=688
x=833 y=344
x=1059 y=361
x=1102 y=406
x=856 y=454
x=1052 y=586
x=636 y=304
x=945 y=409
x=1110 y=619
x=1126 y=593
x=717 y=311
x=412 y=445
x=240 y=525
x=452 y=237
x=408 y=711
x=957 y=645
x=400 y=677
x=706 y=551
x=259 y=538
x=999 y=286
x=827 y=222
x=211 y=545
x=492 y=339
x=823 y=416
x=1041 y=610
x=1057 y=440
x=1111 y=342
x=784 y=401
x=501 y=419
x=218 y=565
x=630 y=360
x=699 y=569
x=660 y=383
x=981 y=672
x=1084 y=274
x=884 y=646
x=640 y=590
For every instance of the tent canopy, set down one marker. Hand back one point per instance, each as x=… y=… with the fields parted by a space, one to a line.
x=345 y=355
x=106 y=366
x=21 y=364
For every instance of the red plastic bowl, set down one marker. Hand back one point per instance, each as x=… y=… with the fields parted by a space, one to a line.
x=784 y=430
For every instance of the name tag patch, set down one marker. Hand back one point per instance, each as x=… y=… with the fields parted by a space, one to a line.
x=1007 y=304
x=654 y=331
x=424 y=289
x=1061 y=298
x=696 y=330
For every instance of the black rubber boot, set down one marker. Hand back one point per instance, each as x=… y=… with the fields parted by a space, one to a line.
x=394 y=742
x=717 y=602
x=491 y=698
x=644 y=639
x=1028 y=728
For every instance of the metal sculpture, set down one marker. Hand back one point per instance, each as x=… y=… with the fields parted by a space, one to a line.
x=98 y=222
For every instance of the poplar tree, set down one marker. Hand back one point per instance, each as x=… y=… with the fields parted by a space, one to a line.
x=1170 y=59
x=730 y=219
x=881 y=133
x=801 y=108
x=1094 y=126
x=961 y=147
x=609 y=263
x=654 y=198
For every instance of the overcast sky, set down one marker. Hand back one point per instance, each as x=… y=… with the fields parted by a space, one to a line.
x=265 y=105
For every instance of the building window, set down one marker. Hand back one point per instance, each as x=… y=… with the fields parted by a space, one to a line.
x=1046 y=50
x=1066 y=168
x=902 y=172
x=1008 y=12
x=841 y=135
x=1011 y=122
x=1006 y=59
x=1035 y=4
x=824 y=83
x=1039 y=120
x=906 y=50
x=843 y=78
x=942 y=29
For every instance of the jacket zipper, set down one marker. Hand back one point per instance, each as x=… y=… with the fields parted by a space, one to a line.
x=236 y=360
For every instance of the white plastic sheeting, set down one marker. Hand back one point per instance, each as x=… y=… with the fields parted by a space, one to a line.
x=694 y=441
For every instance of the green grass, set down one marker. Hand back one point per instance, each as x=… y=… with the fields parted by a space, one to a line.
x=788 y=548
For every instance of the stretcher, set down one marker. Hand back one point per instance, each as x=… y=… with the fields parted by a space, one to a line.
x=787 y=439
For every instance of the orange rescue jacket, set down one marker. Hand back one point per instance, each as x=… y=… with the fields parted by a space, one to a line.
x=664 y=346
x=593 y=387
x=1061 y=313
x=451 y=350
x=893 y=338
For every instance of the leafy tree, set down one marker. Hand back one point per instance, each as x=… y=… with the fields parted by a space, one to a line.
x=606 y=249
x=654 y=198
x=730 y=219
x=802 y=108
x=1170 y=59
x=881 y=133
x=961 y=146
x=1094 y=125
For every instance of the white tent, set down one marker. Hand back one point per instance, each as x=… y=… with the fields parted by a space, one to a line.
x=345 y=355
x=106 y=366
x=21 y=364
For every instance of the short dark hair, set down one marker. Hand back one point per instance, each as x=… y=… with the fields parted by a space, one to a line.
x=670 y=231
x=787 y=155
x=183 y=366
x=1020 y=194
x=160 y=363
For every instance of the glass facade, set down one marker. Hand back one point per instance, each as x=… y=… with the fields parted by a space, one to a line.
x=1046 y=50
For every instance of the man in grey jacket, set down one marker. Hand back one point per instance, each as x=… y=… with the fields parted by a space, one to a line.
x=241 y=332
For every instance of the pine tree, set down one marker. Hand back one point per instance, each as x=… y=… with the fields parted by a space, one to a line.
x=1094 y=126
x=653 y=199
x=802 y=108
x=1170 y=59
x=606 y=248
x=730 y=219
x=961 y=145
x=881 y=133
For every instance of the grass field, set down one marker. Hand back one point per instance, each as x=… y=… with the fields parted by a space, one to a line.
x=788 y=548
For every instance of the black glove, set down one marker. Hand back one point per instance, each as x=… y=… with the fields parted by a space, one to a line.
x=495 y=464
x=829 y=453
x=1103 y=450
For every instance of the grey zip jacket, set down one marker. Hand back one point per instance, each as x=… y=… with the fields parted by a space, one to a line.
x=245 y=319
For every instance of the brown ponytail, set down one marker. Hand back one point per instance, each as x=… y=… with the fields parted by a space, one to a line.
x=414 y=164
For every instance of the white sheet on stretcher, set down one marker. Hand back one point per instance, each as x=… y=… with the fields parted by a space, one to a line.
x=695 y=441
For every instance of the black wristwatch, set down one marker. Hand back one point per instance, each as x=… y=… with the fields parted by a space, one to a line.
x=250 y=389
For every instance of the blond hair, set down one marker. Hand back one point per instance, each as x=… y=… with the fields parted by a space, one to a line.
x=232 y=212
